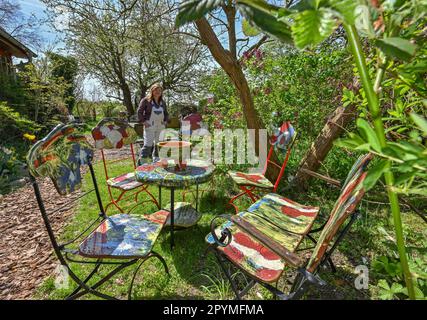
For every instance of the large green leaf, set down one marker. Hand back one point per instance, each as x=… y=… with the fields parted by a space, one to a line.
x=265 y=16
x=249 y=30
x=375 y=173
x=397 y=47
x=368 y=134
x=420 y=122
x=346 y=8
x=363 y=21
x=312 y=26
x=353 y=142
x=191 y=10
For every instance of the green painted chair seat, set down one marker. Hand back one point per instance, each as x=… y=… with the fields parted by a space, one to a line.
x=279 y=218
x=250 y=179
x=276 y=213
x=124 y=236
x=185 y=215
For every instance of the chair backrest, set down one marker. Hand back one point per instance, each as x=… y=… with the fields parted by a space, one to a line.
x=191 y=123
x=113 y=133
x=281 y=139
x=59 y=156
x=351 y=194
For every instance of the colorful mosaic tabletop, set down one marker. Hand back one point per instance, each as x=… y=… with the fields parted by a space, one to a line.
x=196 y=172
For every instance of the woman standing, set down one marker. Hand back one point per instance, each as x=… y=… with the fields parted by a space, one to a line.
x=153 y=114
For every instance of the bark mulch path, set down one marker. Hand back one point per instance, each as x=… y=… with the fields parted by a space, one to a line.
x=26 y=254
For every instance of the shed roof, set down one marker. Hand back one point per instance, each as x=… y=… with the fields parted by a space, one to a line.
x=12 y=45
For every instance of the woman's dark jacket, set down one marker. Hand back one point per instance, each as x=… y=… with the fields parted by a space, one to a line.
x=144 y=110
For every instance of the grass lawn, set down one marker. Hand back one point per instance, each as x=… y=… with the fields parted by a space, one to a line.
x=370 y=237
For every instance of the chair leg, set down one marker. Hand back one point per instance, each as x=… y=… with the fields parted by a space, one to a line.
x=90 y=275
x=162 y=260
x=248 y=287
x=202 y=260
x=151 y=255
x=227 y=274
x=92 y=289
x=331 y=264
x=153 y=199
x=249 y=193
x=114 y=201
x=245 y=191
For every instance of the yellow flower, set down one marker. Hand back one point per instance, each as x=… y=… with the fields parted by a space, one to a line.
x=30 y=137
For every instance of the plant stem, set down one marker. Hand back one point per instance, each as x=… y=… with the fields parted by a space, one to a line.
x=374 y=109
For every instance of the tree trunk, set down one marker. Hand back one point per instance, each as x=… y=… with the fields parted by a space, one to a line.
x=127 y=99
x=234 y=70
x=320 y=148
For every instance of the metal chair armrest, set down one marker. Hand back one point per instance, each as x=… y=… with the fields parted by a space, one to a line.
x=225 y=234
x=329 y=180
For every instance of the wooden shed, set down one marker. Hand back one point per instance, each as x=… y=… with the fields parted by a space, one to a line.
x=11 y=47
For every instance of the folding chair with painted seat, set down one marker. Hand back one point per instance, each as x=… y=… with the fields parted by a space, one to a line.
x=264 y=239
x=114 y=134
x=119 y=240
x=282 y=139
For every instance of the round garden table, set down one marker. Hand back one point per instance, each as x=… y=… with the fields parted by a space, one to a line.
x=164 y=174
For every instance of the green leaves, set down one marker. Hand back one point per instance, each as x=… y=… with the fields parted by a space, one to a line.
x=375 y=173
x=191 y=10
x=346 y=8
x=420 y=122
x=265 y=16
x=312 y=27
x=249 y=30
x=387 y=292
x=368 y=134
x=397 y=47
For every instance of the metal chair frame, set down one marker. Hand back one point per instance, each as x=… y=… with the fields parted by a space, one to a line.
x=63 y=253
x=304 y=279
x=135 y=191
x=249 y=190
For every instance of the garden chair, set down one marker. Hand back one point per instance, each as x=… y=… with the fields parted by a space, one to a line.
x=282 y=139
x=264 y=239
x=112 y=133
x=120 y=240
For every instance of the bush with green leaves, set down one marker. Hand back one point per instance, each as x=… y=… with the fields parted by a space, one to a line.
x=14 y=125
x=9 y=168
x=287 y=81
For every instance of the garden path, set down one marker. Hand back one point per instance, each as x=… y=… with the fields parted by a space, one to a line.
x=26 y=255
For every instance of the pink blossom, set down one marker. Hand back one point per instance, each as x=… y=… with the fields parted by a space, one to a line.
x=237 y=114
x=258 y=54
x=218 y=125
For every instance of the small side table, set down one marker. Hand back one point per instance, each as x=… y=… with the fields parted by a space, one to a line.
x=195 y=173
